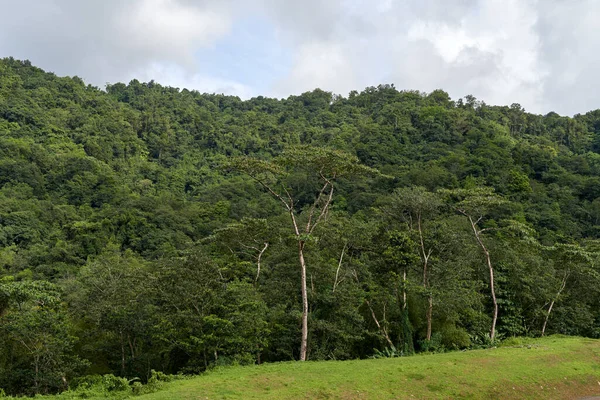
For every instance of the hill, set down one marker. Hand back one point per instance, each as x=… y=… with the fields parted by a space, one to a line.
x=145 y=227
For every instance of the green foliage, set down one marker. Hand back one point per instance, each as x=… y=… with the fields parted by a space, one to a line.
x=37 y=353
x=434 y=345
x=387 y=352
x=142 y=227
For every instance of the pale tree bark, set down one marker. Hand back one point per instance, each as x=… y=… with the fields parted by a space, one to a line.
x=381 y=327
x=562 y=287
x=425 y=255
x=304 y=338
x=259 y=254
x=429 y=316
x=337 y=272
x=404 y=304
x=477 y=232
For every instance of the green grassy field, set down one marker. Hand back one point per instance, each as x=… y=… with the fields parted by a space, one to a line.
x=549 y=368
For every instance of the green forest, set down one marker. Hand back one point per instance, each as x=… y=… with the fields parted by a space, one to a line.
x=147 y=229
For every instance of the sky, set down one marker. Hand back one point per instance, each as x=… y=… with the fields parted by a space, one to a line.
x=541 y=54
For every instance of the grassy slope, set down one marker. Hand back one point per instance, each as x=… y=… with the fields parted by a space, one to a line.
x=550 y=368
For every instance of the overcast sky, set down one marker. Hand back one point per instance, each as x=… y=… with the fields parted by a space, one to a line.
x=543 y=54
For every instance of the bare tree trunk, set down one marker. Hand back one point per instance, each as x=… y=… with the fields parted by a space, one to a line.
x=337 y=272
x=122 y=355
x=36 y=381
x=425 y=258
x=258 y=262
x=491 y=270
x=562 y=287
x=429 y=316
x=404 y=305
x=493 y=292
x=304 y=339
x=379 y=326
x=131 y=347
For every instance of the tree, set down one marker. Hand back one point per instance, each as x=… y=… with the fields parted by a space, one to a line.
x=112 y=293
x=415 y=205
x=321 y=165
x=249 y=237
x=400 y=257
x=476 y=204
x=205 y=315
x=569 y=259
x=36 y=340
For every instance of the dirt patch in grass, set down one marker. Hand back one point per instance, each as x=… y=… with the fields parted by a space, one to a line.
x=575 y=388
x=266 y=383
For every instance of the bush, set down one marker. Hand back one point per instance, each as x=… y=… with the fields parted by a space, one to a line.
x=484 y=341
x=434 y=345
x=455 y=338
x=388 y=352
x=94 y=385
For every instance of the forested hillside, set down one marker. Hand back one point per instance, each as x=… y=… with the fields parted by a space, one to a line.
x=144 y=227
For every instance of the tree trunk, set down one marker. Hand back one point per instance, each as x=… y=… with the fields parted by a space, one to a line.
x=304 y=340
x=493 y=292
x=491 y=271
x=380 y=327
x=562 y=287
x=425 y=258
x=131 y=347
x=36 y=381
x=261 y=252
x=404 y=289
x=122 y=355
x=429 y=315
x=547 y=317
x=337 y=272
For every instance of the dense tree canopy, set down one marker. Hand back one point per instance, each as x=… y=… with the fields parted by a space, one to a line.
x=144 y=227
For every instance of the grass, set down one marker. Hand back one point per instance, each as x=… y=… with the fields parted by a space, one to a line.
x=547 y=368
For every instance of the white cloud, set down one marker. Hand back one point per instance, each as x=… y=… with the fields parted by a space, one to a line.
x=110 y=40
x=176 y=76
x=169 y=29
x=570 y=43
x=318 y=65
x=542 y=54
x=489 y=49
x=494 y=53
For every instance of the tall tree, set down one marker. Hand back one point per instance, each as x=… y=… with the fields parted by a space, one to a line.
x=569 y=259
x=476 y=205
x=416 y=205
x=322 y=167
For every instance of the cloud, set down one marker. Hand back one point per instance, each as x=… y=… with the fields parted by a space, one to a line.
x=318 y=65
x=541 y=54
x=569 y=50
x=175 y=76
x=109 y=40
x=486 y=48
x=492 y=53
